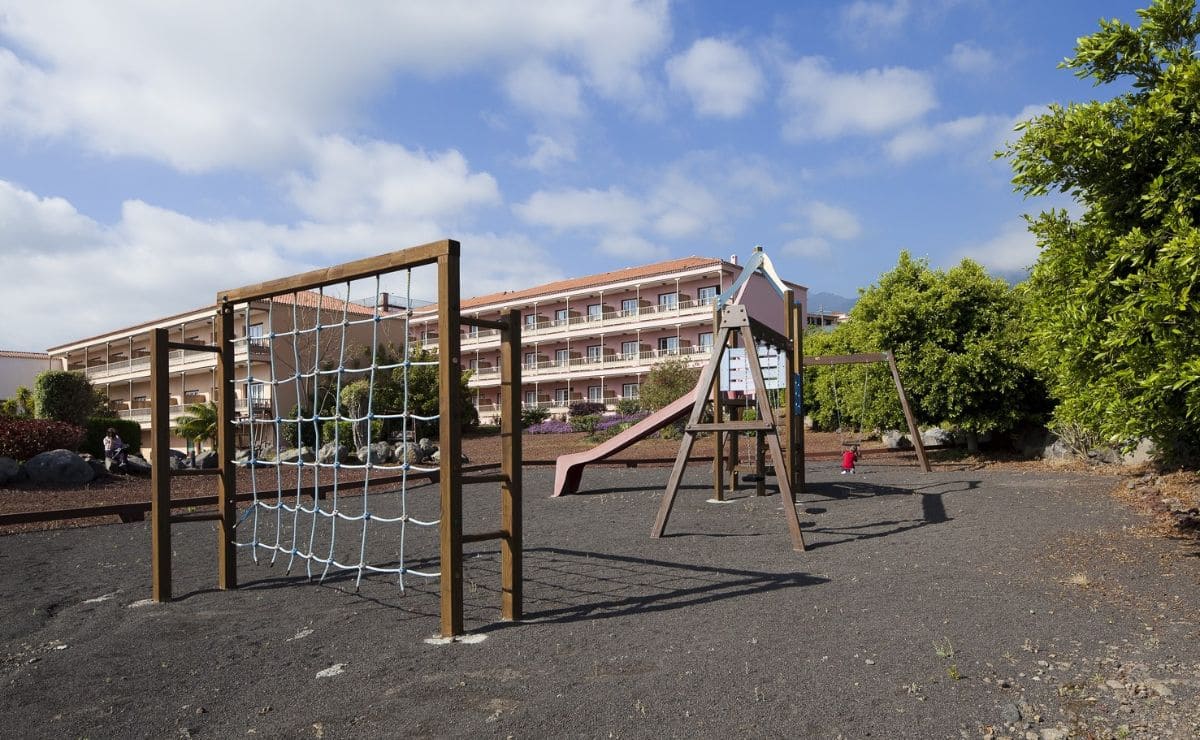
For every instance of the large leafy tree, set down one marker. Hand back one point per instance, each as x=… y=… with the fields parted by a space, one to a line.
x=957 y=338
x=1114 y=296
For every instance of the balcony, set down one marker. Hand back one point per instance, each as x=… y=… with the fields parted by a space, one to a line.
x=593 y=365
x=180 y=360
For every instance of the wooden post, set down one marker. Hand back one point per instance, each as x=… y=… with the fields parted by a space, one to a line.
x=913 y=432
x=227 y=482
x=160 y=466
x=797 y=382
x=789 y=389
x=510 y=467
x=718 y=415
x=450 y=441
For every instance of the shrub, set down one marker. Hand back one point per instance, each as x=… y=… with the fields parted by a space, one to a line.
x=586 y=423
x=585 y=408
x=628 y=406
x=667 y=381
x=345 y=432
x=305 y=435
x=533 y=416
x=552 y=426
x=620 y=420
x=64 y=396
x=21 y=439
x=129 y=431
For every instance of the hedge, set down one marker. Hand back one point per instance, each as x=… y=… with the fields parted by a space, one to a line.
x=21 y=439
x=129 y=431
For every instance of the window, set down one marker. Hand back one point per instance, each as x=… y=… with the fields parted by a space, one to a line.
x=706 y=295
x=630 y=349
x=668 y=300
x=560 y=316
x=560 y=396
x=255 y=335
x=531 y=359
x=472 y=331
x=595 y=311
x=705 y=340
x=531 y=320
x=562 y=356
x=629 y=307
x=531 y=398
x=595 y=353
x=669 y=345
x=595 y=394
x=472 y=364
x=629 y=390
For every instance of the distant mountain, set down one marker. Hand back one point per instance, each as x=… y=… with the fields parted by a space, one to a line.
x=829 y=302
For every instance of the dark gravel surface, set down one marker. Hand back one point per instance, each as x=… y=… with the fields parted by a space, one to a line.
x=1006 y=601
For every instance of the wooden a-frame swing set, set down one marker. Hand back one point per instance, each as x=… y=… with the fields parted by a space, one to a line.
x=734 y=325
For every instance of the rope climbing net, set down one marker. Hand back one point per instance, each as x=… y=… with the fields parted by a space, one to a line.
x=329 y=420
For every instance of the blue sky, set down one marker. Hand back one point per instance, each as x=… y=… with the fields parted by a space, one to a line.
x=152 y=154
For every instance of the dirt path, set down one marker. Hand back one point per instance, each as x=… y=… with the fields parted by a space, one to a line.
x=967 y=602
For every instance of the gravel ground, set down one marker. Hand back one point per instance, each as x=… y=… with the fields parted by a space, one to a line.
x=1014 y=601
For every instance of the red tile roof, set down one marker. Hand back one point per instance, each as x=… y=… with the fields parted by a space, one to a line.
x=18 y=355
x=627 y=273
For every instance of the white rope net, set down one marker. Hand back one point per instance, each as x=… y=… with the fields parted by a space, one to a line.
x=327 y=379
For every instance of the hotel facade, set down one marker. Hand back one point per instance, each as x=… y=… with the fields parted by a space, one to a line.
x=595 y=338
x=592 y=338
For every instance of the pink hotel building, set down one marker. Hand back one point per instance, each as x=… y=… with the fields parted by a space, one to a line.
x=591 y=338
x=595 y=338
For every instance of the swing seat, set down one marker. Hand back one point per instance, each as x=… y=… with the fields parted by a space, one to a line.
x=851 y=442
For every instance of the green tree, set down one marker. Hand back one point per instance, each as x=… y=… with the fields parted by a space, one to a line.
x=198 y=423
x=20 y=406
x=957 y=337
x=390 y=386
x=65 y=396
x=1113 y=296
x=666 y=382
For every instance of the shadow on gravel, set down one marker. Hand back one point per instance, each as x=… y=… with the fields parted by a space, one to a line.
x=933 y=508
x=574 y=585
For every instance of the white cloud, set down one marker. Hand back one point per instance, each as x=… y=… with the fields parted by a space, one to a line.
x=549 y=151
x=203 y=86
x=822 y=103
x=969 y=58
x=831 y=221
x=812 y=247
x=867 y=21
x=73 y=278
x=378 y=180
x=919 y=141
x=681 y=207
x=1011 y=251
x=573 y=209
x=544 y=91
x=631 y=247
x=719 y=76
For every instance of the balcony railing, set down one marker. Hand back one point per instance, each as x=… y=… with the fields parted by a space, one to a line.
x=178 y=358
x=613 y=361
x=545 y=327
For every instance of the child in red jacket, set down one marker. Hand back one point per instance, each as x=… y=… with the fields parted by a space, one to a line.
x=848 y=458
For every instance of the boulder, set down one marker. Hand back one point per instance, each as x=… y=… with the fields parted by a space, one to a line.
x=59 y=468
x=1143 y=452
x=330 y=452
x=1056 y=449
x=295 y=454
x=137 y=465
x=437 y=458
x=207 y=460
x=10 y=471
x=377 y=453
x=936 y=437
x=896 y=440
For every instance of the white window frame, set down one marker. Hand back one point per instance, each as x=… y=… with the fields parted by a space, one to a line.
x=626 y=389
x=637 y=349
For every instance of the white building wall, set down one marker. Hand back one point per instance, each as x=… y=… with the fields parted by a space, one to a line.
x=19 y=369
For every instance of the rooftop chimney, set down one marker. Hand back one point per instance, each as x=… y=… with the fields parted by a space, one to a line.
x=733 y=259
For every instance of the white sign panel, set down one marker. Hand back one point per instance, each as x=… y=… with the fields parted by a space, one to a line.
x=735 y=369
